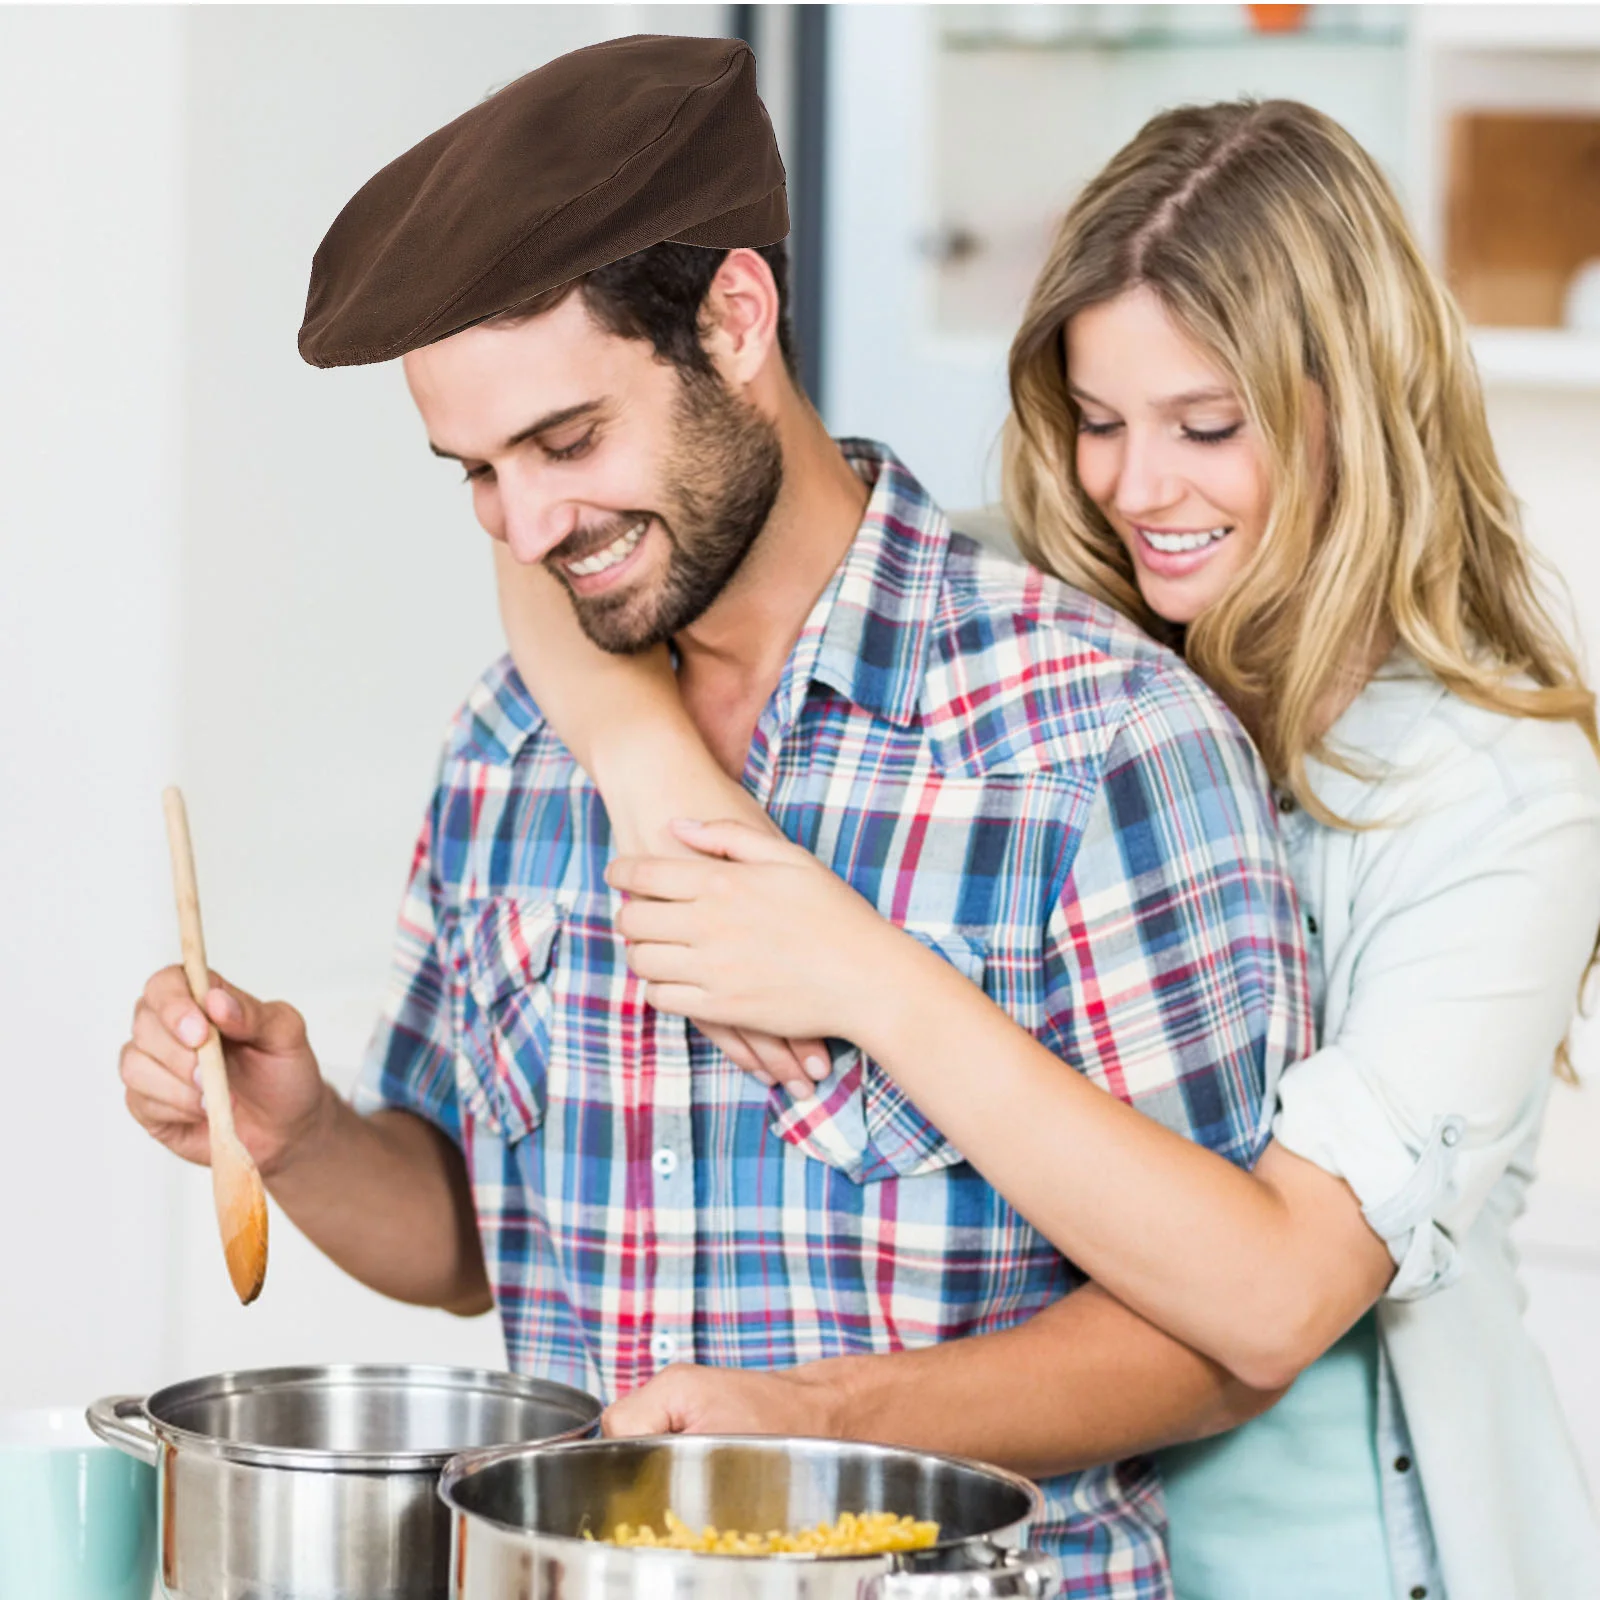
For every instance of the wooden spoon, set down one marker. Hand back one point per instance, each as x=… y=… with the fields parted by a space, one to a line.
x=235 y=1183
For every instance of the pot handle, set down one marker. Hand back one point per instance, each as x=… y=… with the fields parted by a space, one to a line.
x=110 y=1420
x=1015 y=1575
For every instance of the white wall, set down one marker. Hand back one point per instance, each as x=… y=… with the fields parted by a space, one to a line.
x=91 y=434
x=1548 y=443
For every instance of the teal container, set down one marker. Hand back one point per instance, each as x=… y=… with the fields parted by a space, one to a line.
x=77 y=1518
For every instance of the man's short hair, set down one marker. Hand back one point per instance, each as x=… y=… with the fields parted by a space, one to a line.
x=659 y=294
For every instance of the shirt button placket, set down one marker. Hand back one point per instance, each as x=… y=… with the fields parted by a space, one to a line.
x=672 y=1303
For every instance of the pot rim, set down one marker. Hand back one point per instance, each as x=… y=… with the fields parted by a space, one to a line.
x=466 y=1463
x=353 y=1375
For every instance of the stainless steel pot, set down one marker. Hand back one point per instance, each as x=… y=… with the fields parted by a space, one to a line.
x=518 y=1516
x=318 y=1483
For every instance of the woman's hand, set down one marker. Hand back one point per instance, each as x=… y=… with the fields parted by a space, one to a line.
x=756 y=934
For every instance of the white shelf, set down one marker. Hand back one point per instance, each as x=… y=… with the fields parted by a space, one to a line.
x=1538 y=358
x=1559 y=28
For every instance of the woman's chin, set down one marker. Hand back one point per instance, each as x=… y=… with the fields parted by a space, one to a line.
x=1176 y=602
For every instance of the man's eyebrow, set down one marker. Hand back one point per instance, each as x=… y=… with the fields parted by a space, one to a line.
x=1172 y=402
x=550 y=420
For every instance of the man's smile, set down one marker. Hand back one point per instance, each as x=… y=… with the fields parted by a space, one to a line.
x=608 y=565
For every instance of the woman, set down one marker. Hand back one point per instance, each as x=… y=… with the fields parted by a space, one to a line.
x=1245 y=414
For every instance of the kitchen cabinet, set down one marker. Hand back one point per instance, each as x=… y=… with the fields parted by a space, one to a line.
x=959 y=134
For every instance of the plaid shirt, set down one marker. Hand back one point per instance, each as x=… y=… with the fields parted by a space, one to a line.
x=1008 y=770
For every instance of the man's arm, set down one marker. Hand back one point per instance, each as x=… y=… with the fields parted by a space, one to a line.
x=1084 y=1382
x=384 y=1196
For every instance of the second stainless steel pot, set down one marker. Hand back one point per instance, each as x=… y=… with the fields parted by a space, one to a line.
x=318 y=1483
x=519 y=1517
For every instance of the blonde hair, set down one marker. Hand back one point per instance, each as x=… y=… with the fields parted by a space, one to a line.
x=1273 y=240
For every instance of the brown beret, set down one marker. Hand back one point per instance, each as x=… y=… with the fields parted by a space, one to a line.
x=593 y=156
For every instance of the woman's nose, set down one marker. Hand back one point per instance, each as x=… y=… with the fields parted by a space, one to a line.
x=1146 y=482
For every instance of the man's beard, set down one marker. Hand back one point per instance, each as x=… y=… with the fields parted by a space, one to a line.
x=721 y=480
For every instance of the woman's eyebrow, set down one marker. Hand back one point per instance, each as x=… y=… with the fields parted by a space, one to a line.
x=1195 y=397
x=1174 y=402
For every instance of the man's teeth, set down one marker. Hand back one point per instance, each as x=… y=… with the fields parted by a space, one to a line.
x=620 y=550
x=1171 y=544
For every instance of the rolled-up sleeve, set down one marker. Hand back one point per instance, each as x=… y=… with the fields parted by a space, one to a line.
x=1174 y=964
x=1471 y=926
x=410 y=1061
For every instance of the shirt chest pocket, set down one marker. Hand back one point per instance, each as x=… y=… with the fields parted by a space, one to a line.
x=507 y=1012
x=860 y=1120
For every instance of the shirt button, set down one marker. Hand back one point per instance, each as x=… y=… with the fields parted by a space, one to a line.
x=1402 y=1463
x=1450 y=1133
x=663 y=1347
x=1311 y=925
x=1419 y=1591
x=1286 y=803
x=665 y=1162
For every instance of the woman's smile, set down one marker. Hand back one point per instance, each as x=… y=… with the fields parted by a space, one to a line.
x=1176 y=552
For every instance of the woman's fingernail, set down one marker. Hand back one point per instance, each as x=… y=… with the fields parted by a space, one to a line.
x=197 y=1077
x=764 y=1078
x=799 y=1090
x=192 y=1031
x=819 y=1067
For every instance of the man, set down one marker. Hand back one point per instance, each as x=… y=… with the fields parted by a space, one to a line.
x=983 y=754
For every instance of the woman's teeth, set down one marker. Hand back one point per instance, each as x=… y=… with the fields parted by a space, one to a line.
x=617 y=551
x=1171 y=544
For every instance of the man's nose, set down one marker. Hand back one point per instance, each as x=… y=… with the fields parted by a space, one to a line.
x=534 y=521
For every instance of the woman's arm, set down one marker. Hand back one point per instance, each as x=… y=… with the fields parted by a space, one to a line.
x=625 y=724
x=620 y=716
x=1261 y=1271
x=1471 y=951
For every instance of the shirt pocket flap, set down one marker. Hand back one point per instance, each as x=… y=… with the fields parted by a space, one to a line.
x=860 y=1120
x=509 y=946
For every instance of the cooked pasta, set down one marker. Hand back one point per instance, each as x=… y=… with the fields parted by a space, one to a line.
x=852 y=1533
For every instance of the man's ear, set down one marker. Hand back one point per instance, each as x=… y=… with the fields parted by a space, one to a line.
x=741 y=318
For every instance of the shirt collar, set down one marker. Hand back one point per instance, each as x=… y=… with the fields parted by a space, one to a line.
x=866 y=636
x=498 y=718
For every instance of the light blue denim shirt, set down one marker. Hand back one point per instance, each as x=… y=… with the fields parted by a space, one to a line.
x=1449 y=942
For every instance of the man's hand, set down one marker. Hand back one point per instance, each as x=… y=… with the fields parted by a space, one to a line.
x=687 y=1399
x=278 y=1090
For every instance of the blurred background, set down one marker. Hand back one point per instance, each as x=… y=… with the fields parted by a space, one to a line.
x=222 y=567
